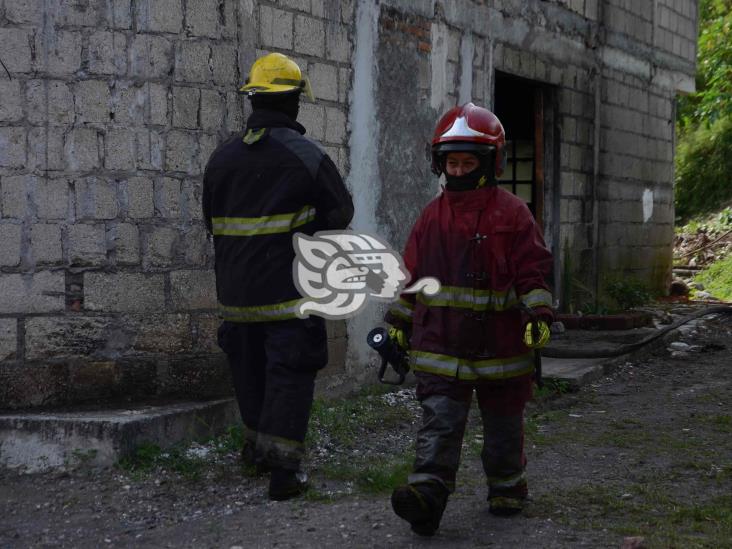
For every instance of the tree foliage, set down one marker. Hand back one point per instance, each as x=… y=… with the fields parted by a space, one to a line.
x=713 y=98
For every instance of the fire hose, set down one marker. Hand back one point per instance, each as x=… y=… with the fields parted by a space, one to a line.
x=555 y=352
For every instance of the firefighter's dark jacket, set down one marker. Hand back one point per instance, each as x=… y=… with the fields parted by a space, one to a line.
x=259 y=188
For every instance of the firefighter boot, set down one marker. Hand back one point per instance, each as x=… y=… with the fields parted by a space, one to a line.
x=287 y=484
x=421 y=505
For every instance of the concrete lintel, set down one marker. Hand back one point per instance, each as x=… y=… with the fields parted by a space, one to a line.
x=40 y=441
x=674 y=81
x=619 y=60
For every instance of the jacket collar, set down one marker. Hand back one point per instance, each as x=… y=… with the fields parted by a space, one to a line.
x=263 y=118
x=470 y=200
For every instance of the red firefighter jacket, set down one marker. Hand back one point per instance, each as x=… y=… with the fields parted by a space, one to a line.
x=489 y=255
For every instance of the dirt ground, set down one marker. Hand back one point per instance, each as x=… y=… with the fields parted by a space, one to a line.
x=646 y=452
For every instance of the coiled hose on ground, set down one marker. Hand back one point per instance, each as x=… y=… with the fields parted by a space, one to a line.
x=557 y=352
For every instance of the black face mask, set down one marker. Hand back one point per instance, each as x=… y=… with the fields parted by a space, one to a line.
x=286 y=103
x=482 y=176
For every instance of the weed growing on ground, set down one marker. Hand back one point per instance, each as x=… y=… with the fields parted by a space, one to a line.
x=148 y=457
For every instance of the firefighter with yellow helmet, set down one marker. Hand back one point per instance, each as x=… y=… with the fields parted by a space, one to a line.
x=260 y=187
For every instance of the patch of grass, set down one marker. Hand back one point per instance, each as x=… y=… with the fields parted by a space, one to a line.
x=148 y=457
x=552 y=388
x=372 y=477
x=717 y=279
x=345 y=420
x=646 y=510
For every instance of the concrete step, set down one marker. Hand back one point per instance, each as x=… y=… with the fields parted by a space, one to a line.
x=41 y=441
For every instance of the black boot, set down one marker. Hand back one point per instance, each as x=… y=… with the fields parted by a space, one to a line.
x=421 y=505
x=286 y=484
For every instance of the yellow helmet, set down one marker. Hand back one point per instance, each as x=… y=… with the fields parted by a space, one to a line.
x=275 y=73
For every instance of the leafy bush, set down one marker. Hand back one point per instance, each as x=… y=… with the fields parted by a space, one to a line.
x=628 y=293
x=704 y=169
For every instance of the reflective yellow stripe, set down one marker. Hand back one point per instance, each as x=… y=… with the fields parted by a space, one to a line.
x=260 y=313
x=402 y=308
x=494 y=368
x=470 y=298
x=537 y=298
x=269 y=224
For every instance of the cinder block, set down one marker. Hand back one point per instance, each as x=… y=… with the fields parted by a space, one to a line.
x=25 y=11
x=159 y=15
x=129 y=104
x=167 y=198
x=159 y=248
x=324 y=80
x=198 y=247
x=65 y=336
x=192 y=62
x=185 y=107
x=8 y=338
x=344 y=84
x=193 y=290
x=86 y=244
x=9 y=245
x=338 y=44
x=11 y=106
x=14 y=190
x=46 y=243
x=158 y=104
x=125 y=240
x=160 y=333
x=275 y=28
x=212 y=110
x=120 y=150
x=347 y=10
x=150 y=149
x=335 y=125
x=79 y=14
x=40 y=292
x=309 y=36
x=202 y=18
x=119 y=14
x=15 y=49
x=181 y=153
x=108 y=53
x=234 y=114
x=206 y=146
x=51 y=198
x=123 y=292
x=62 y=57
x=151 y=56
x=140 y=197
x=50 y=101
x=204 y=328
x=190 y=200
x=225 y=66
x=96 y=198
x=81 y=150
x=312 y=116
x=302 y=5
x=13 y=153
x=46 y=148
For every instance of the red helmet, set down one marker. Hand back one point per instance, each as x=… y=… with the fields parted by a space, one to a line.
x=469 y=128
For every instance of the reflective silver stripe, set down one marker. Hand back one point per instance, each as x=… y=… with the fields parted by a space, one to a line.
x=271 y=224
x=469 y=298
x=508 y=482
x=496 y=368
x=537 y=298
x=260 y=313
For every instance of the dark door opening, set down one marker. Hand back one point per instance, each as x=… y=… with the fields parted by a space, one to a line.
x=519 y=104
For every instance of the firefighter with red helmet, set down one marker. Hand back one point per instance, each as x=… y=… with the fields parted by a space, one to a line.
x=475 y=335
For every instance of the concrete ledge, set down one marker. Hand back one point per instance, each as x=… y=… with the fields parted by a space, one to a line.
x=39 y=441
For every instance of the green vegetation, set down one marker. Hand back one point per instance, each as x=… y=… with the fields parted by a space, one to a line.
x=704 y=168
x=628 y=293
x=717 y=279
x=148 y=457
x=704 y=118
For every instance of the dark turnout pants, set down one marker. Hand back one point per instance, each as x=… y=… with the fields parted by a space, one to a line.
x=273 y=367
x=445 y=405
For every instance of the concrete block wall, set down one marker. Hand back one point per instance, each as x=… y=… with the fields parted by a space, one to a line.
x=113 y=107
